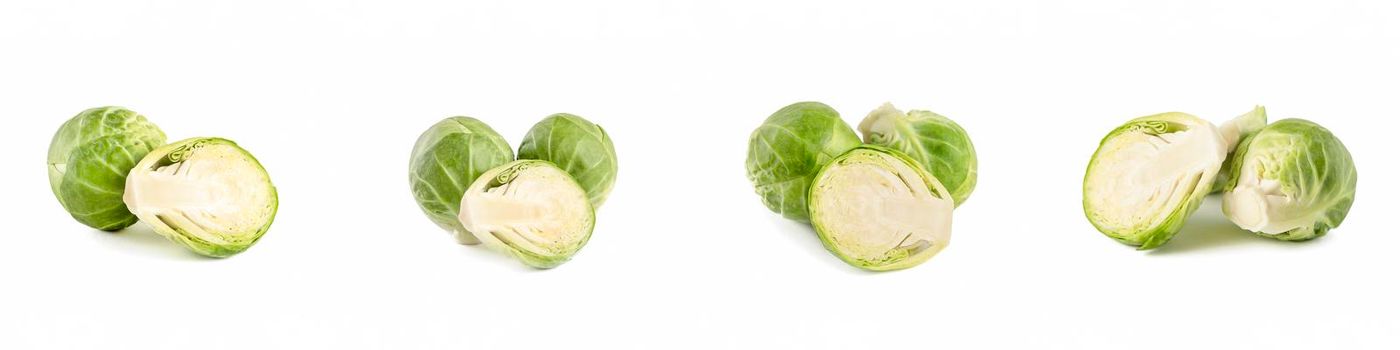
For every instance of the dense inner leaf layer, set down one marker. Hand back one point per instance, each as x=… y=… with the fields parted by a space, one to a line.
x=879 y=212
x=209 y=194
x=531 y=209
x=1149 y=173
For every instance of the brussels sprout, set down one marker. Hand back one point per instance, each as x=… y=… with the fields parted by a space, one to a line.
x=1234 y=131
x=877 y=209
x=937 y=143
x=786 y=152
x=1292 y=181
x=529 y=209
x=204 y=192
x=447 y=158
x=579 y=147
x=1149 y=175
x=89 y=159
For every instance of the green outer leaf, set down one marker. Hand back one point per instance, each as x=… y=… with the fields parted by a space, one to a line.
x=1313 y=168
x=176 y=152
x=446 y=159
x=788 y=149
x=894 y=260
x=938 y=144
x=102 y=145
x=95 y=181
x=1242 y=127
x=1149 y=237
x=579 y=147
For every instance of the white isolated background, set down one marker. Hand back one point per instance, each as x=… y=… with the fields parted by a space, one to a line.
x=330 y=96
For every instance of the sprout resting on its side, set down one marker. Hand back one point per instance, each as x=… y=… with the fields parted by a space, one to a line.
x=206 y=193
x=89 y=159
x=878 y=210
x=529 y=209
x=1149 y=175
x=1292 y=181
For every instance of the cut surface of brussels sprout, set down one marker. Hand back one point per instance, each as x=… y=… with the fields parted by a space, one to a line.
x=89 y=159
x=579 y=147
x=529 y=209
x=877 y=209
x=1292 y=181
x=447 y=158
x=937 y=143
x=206 y=193
x=1149 y=175
x=786 y=152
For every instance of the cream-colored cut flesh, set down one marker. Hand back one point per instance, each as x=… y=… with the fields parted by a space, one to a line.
x=1141 y=178
x=541 y=210
x=867 y=209
x=215 y=195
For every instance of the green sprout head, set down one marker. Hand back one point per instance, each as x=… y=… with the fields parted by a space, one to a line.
x=786 y=152
x=937 y=143
x=447 y=158
x=579 y=147
x=89 y=159
x=1292 y=181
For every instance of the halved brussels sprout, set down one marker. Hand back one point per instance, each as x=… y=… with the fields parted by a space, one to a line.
x=878 y=210
x=205 y=193
x=1149 y=175
x=1235 y=131
x=579 y=147
x=529 y=209
x=937 y=143
x=447 y=158
x=89 y=159
x=786 y=152
x=1292 y=181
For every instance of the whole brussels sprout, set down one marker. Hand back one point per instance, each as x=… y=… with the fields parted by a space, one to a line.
x=206 y=193
x=786 y=152
x=531 y=210
x=1235 y=131
x=937 y=143
x=1292 y=181
x=877 y=209
x=447 y=158
x=579 y=147
x=89 y=159
x=1149 y=175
